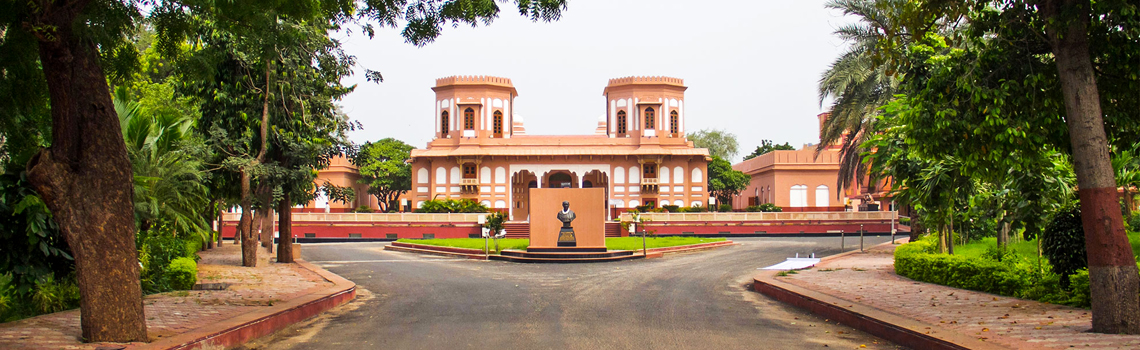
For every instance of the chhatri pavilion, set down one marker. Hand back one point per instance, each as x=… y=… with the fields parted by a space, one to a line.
x=481 y=151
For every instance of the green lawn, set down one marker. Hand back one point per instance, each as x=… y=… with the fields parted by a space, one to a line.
x=634 y=243
x=1024 y=248
x=612 y=243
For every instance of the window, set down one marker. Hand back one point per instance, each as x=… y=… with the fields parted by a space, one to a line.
x=444 y=123
x=649 y=171
x=797 y=197
x=650 y=118
x=498 y=127
x=674 y=123
x=821 y=194
x=468 y=171
x=469 y=119
x=621 y=125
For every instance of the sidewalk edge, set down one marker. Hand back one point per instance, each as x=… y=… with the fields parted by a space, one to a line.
x=255 y=324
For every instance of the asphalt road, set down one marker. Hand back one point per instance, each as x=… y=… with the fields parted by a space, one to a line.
x=689 y=301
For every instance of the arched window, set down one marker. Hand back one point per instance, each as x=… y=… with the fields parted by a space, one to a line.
x=821 y=195
x=469 y=119
x=622 y=127
x=797 y=197
x=674 y=124
x=650 y=118
x=444 y=123
x=498 y=127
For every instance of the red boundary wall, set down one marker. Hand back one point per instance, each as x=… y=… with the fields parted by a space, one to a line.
x=349 y=229
x=767 y=227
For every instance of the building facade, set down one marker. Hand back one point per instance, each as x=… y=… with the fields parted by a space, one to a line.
x=638 y=153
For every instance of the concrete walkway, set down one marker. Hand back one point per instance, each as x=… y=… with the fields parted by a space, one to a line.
x=257 y=301
x=865 y=286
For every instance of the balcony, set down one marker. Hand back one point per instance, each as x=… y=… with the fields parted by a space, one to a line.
x=469 y=186
x=649 y=185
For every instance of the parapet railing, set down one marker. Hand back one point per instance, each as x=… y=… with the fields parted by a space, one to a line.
x=761 y=216
x=376 y=217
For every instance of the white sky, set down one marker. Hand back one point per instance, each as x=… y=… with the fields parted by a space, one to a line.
x=751 y=66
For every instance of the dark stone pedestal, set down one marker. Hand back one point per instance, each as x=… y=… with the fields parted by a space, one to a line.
x=566 y=237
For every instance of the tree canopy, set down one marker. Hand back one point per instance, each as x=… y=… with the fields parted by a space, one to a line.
x=767 y=146
x=720 y=143
x=383 y=167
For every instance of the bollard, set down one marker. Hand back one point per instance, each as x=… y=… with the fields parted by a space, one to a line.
x=860 y=237
x=841 y=239
x=893 y=219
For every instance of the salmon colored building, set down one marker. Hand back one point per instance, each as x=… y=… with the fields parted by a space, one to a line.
x=481 y=151
x=802 y=180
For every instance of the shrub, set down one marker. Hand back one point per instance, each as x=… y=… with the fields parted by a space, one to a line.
x=452 y=206
x=1079 y=286
x=671 y=208
x=52 y=296
x=770 y=208
x=1134 y=222
x=961 y=272
x=692 y=209
x=1063 y=242
x=362 y=209
x=182 y=273
x=645 y=208
x=725 y=207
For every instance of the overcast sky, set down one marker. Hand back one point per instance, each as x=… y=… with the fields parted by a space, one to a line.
x=751 y=66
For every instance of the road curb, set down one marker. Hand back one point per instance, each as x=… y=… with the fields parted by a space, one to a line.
x=255 y=324
x=898 y=329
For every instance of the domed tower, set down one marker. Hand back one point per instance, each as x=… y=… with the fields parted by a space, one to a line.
x=649 y=108
x=470 y=108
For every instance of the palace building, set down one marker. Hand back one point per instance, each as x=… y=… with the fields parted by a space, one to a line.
x=481 y=151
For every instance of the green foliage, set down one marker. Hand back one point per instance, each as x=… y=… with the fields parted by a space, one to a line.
x=384 y=168
x=692 y=209
x=471 y=243
x=337 y=193
x=182 y=273
x=55 y=296
x=724 y=207
x=158 y=248
x=33 y=246
x=362 y=209
x=495 y=221
x=767 y=146
x=671 y=208
x=452 y=206
x=961 y=272
x=766 y=207
x=720 y=143
x=1063 y=242
x=724 y=181
x=1081 y=292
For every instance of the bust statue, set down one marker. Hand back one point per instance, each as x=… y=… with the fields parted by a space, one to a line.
x=566 y=215
x=566 y=233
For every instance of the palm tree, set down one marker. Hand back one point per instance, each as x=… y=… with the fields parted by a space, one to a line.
x=858 y=84
x=169 y=180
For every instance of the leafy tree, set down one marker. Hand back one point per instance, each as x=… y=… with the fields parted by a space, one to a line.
x=64 y=54
x=1034 y=75
x=384 y=168
x=767 y=146
x=719 y=143
x=725 y=182
x=859 y=82
x=338 y=194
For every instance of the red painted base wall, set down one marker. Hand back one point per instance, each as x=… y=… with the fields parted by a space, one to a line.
x=326 y=229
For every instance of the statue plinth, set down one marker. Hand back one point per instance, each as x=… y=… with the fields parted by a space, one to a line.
x=566 y=237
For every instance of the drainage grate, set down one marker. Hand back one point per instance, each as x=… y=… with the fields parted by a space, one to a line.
x=310 y=235
x=353 y=235
x=390 y=236
x=429 y=236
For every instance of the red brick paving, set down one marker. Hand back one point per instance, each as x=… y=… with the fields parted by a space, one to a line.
x=168 y=314
x=869 y=279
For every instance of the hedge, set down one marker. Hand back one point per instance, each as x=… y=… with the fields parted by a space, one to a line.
x=915 y=261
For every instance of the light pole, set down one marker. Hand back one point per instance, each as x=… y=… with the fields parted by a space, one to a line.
x=483 y=231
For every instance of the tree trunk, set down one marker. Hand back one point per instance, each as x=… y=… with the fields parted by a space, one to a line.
x=1113 y=276
x=245 y=226
x=85 y=179
x=942 y=239
x=285 y=243
x=1003 y=236
x=221 y=224
x=950 y=238
x=265 y=216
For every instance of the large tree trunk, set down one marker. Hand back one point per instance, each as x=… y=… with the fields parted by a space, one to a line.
x=1113 y=276
x=285 y=218
x=245 y=226
x=85 y=179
